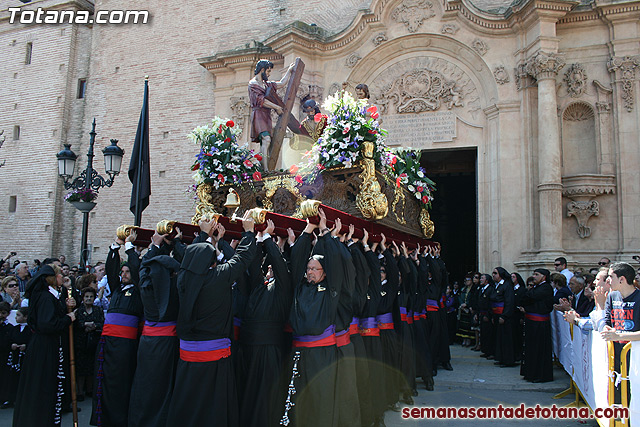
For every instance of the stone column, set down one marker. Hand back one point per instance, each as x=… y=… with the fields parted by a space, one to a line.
x=544 y=68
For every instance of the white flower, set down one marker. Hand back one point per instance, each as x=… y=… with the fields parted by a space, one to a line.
x=198 y=177
x=411 y=188
x=420 y=174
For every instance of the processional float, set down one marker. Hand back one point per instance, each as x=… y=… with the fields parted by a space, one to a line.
x=349 y=172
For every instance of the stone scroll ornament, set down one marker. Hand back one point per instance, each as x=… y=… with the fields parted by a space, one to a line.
x=422 y=90
x=583 y=211
x=626 y=66
x=411 y=13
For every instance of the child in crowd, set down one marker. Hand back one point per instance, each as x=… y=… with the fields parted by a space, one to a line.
x=18 y=339
x=5 y=310
x=88 y=327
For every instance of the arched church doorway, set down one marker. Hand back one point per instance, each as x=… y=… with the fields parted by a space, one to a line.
x=454 y=209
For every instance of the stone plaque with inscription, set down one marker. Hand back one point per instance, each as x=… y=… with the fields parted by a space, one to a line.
x=420 y=130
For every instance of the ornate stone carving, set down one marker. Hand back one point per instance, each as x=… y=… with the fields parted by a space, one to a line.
x=480 y=46
x=352 y=60
x=240 y=110
x=626 y=72
x=412 y=12
x=583 y=211
x=379 y=39
x=545 y=65
x=603 y=107
x=587 y=186
x=501 y=75
x=522 y=78
x=577 y=112
x=334 y=88
x=576 y=80
x=422 y=90
x=449 y=29
x=310 y=92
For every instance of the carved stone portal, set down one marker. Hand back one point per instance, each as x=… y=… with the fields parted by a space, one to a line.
x=412 y=12
x=422 y=90
x=583 y=211
x=352 y=60
x=576 y=80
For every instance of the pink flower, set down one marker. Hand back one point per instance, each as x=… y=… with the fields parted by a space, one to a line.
x=221 y=177
x=346 y=130
x=248 y=163
x=374 y=116
x=373 y=109
x=419 y=189
x=257 y=176
x=230 y=123
x=293 y=169
x=298 y=179
x=258 y=157
x=425 y=199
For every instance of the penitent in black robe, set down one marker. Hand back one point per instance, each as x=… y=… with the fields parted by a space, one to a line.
x=538 y=359
x=158 y=349
x=503 y=294
x=205 y=391
x=312 y=318
x=347 y=405
x=118 y=347
x=38 y=402
x=407 y=354
x=260 y=355
x=359 y=300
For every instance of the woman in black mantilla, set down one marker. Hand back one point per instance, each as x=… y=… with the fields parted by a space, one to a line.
x=39 y=399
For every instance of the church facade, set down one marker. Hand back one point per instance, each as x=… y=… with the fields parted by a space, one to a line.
x=543 y=93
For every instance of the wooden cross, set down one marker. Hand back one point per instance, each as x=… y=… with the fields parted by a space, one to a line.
x=285 y=118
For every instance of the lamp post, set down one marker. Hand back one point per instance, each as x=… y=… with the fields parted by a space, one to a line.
x=89 y=178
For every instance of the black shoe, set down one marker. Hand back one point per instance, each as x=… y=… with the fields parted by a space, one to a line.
x=511 y=365
x=394 y=407
x=6 y=405
x=434 y=372
x=380 y=422
x=490 y=357
x=415 y=393
x=447 y=366
x=429 y=384
x=498 y=363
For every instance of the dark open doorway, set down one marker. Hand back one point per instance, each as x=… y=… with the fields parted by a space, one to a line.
x=454 y=209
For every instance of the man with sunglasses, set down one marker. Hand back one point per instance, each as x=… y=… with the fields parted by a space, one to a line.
x=560 y=265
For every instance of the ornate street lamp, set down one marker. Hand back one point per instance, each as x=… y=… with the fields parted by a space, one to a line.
x=89 y=178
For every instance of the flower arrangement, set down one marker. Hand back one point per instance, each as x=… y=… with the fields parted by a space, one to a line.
x=349 y=124
x=404 y=166
x=221 y=160
x=81 y=195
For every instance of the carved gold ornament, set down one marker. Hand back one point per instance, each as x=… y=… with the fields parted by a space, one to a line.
x=165 y=227
x=427 y=225
x=309 y=208
x=272 y=184
x=124 y=231
x=371 y=202
x=259 y=215
x=204 y=208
